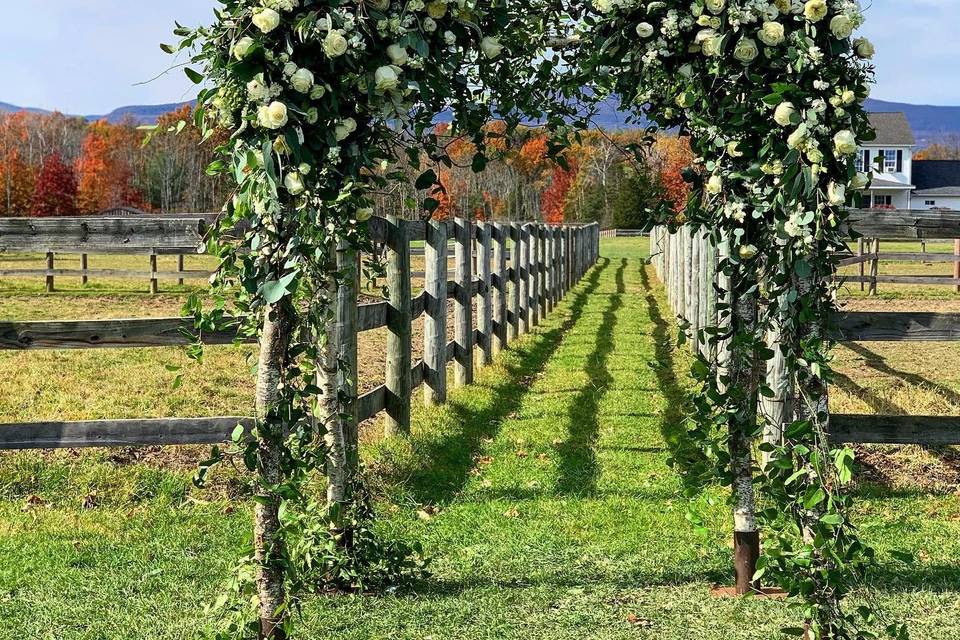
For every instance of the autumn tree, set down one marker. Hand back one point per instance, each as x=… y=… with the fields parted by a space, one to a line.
x=105 y=168
x=56 y=189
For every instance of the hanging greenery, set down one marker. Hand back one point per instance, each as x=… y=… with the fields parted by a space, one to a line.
x=770 y=94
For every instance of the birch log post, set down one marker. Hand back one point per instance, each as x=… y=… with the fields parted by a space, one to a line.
x=499 y=280
x=268 y=557
x=485 y=302
x=463 y=307
x=435 y=321
x=514 y=328
x=693 y=307
x=398 y=379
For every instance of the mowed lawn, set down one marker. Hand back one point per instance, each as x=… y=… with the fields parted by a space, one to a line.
x=552 y=512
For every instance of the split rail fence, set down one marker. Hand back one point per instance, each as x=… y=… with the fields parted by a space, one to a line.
x=493 y=303
x=868 y=252
x=686 y=263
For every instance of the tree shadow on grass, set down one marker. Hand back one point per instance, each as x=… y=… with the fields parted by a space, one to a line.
x=686 y=455
x=578 y=467
x=445 y=456
x=876 y=362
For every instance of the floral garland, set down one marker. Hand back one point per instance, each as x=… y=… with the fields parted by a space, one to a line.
x=770 y=93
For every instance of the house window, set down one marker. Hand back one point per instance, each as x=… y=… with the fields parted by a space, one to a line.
x=882 y=201
x=858 y=163
x=929 y=203
x=889 y=160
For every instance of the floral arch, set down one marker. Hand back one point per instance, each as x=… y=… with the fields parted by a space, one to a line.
x=323 y=96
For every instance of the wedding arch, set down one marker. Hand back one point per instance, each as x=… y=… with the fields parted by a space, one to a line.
x=321 y=96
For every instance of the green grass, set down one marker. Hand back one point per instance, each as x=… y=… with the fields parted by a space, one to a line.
x=556 y=517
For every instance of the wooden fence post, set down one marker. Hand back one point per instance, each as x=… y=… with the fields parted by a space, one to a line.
x=549 y=271
x=499 y=277
x=694 y=280
x=49 y=268
x=463 y=309
x=154 y=284
x=534 y=275
x=398 y=380
x=435 y=319
x=544 y=262
x=523 y=248
x=83 y=267
x=180 y=268
x=860 y=264
x=874 y=267
x=485 y=305
x=514 y=328
x=567 y=283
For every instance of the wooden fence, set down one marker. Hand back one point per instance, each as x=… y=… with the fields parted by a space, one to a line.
x=868 y=251
x=493 y=304
x=687 y=265
x=623 y=233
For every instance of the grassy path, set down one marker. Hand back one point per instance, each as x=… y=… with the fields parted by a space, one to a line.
x=541 y=493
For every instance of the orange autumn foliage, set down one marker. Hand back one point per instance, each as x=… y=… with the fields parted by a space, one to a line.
x=105 y=170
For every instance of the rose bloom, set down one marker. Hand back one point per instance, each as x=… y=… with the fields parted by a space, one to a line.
x=257 y=90
x=266 y=20
x=335 y=45
x=644 y=29
x=745 y=51
x=845 y=143
x=864 y=48
x=344 y=128
x=783 y=112
x=836 y=194
x=733 y=148
x=302 y=80
x=436 y=9
x=715 y=184
x=841 y=27
x=294 y=184
x=364 y=214
x=716 y=6
x=771 y=33
x=815 y=10
x=747 y=251
x=386 y=78
x=450 y=38
x=859 y=181
x=243 y=47
x=397 y=54
x=491 y=47
x=272 y=116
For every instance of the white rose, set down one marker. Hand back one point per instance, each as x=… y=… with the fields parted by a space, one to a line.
x=715 y=184
x=709 y=42
x=344 y=128
x=747 y=251
x=243 y=47
x=716 y=6
x=815 y=10
x=864 y=48
x=644 y=29
x=491 y=47
x=733 y=149
x=266 y=20
x=798 y=136
x=429 y=25
x=294 y=184
x=313 y=115
x=272 y=116
x=815 y=156
x=771 y=33
x=397 y=54
x=317 y=92
x=302 y=80
x=859 y=181
x=289 y=69
x=304 y=169
x=257 y=91
x=845 y=143
x=386 y=78
x=783 y=113
x=836 y=194
x=841 y=26
x=745 y=51
x=364 y=213
x=848 y=97
x=437 y=9
x=450 y=38
x=335 y=45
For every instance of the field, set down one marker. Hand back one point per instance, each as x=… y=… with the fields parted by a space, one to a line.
x=552 y=511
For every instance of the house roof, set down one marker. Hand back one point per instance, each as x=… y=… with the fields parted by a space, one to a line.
x=936 y=174
x=892 y=129
x=939 y=191
x=878 y=180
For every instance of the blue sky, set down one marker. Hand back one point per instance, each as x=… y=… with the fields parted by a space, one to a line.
x=87 y=56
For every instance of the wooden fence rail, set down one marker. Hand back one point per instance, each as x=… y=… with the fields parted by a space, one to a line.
x=506 y=277
x=686 y=262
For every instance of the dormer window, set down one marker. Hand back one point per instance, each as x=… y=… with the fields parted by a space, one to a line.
x=862 y=160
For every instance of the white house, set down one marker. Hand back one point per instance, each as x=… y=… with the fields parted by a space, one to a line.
x=897 y=180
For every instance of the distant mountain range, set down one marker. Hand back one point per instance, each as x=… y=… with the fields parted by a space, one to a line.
x=930 y=123
x=139 y=113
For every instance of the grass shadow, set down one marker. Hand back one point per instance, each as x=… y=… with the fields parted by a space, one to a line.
x=444 y=456
x=578 y=467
